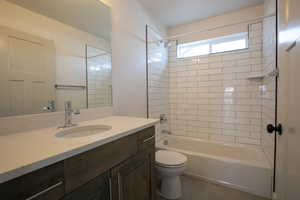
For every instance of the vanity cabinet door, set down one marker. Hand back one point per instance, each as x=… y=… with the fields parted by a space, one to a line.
x=97 y=189
x=133 y=180
x=84 y=167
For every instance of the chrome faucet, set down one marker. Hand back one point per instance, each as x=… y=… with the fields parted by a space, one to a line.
x=50 y=107
x=68 y=115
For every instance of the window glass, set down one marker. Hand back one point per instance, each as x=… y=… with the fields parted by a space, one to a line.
x=193 y=49
x=215 y=45
x=229 y=46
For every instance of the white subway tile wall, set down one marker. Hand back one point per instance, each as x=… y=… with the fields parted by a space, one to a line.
x=210 y=96
x=99 y=81
x=158 y=83
x=268 y=97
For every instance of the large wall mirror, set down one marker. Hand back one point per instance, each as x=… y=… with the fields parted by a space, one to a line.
x=53 y=51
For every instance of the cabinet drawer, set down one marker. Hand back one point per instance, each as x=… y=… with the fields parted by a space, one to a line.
x=147 y=145
x=147 y=139
x=46 y=183
x=146 y=134
x=84 y=167
x=54 y=192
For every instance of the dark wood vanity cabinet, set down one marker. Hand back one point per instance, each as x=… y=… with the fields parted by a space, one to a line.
x=96 y=189
x=119 y=170
x=132 y=180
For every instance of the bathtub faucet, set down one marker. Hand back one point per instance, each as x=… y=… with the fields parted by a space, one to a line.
x=163 y=118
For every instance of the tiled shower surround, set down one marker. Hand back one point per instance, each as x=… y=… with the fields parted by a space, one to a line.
x=269 y=65
x=210 y=96
x=158 y=80
x=99 y=81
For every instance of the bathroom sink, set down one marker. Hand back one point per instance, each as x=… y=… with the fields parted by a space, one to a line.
x=83 y=131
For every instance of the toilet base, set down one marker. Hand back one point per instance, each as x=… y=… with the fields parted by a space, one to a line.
x=170 y=187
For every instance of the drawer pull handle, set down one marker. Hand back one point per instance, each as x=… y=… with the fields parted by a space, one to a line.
x=110 y=189
x=119 y=187
x=148 y=139
x=44 y=191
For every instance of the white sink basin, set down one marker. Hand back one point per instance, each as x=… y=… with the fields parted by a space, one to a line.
x=83 y=131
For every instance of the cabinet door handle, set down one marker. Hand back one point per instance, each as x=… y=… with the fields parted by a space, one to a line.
x=44 y=191
x=110 y=189
x=148 y=139
x=119 y=187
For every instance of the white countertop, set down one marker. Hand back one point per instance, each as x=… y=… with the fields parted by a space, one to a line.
x=25 y=152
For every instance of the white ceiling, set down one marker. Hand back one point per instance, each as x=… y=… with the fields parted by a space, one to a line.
x=91 y=16
x=175 y=12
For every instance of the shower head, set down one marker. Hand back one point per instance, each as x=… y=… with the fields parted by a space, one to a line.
x=166 y=43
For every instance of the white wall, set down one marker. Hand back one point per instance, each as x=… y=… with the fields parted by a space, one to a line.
x=129 y=21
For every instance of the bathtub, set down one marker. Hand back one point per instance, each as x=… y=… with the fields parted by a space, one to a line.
x=236 y=166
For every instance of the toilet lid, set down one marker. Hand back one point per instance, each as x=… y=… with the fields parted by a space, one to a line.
x=170 y=158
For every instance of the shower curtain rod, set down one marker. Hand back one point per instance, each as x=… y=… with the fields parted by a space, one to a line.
x=175 y=37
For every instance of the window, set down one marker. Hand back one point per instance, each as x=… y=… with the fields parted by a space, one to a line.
x=193 y=49
x=216 y=45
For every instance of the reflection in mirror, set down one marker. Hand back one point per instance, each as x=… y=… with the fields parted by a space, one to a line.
x=45 y=59
x=99 y=76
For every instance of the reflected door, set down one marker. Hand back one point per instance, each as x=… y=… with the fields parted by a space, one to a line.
x=27 y=73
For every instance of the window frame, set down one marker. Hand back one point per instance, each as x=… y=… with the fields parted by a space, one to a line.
x=217 y=40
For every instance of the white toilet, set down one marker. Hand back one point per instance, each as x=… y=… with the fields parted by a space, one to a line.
x=169 y=166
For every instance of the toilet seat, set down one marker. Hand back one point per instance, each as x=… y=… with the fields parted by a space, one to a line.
x=170 y=159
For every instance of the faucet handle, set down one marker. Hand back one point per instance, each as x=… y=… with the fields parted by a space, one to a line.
x=50 y=107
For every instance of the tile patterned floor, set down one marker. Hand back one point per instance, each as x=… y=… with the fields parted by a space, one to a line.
x=195 y=189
